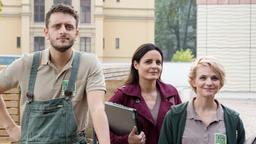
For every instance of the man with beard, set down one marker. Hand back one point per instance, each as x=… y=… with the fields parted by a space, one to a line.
x=58 y=87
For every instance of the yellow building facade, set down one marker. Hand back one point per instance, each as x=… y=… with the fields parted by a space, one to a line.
x=112 y=29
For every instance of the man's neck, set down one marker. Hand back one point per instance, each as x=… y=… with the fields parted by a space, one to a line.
x=60 y=59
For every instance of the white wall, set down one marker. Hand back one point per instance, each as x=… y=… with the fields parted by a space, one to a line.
x=177 y=75
x=228 y=32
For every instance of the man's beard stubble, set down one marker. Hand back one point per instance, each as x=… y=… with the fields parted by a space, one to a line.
x=62 y=49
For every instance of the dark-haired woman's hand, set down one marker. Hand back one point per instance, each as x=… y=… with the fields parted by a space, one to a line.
x=135 y=138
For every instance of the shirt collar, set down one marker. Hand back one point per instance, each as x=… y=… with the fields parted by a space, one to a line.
x=220 y=112
x=45 y=59
x=191 y=113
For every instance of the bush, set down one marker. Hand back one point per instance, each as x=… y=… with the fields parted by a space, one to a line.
x=183 y=56
x=1 y=5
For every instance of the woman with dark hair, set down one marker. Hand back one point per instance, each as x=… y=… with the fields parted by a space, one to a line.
x=145 y=92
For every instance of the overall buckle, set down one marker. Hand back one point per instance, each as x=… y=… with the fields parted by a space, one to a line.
x=68 y=94
x=30 y=97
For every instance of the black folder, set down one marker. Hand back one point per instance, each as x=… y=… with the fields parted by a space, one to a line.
x=121 y=119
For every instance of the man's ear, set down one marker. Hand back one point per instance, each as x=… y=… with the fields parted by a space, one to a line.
x=46 y=33
x=77 y=32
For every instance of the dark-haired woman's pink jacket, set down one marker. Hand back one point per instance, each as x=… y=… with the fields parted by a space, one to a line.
x=130 y=95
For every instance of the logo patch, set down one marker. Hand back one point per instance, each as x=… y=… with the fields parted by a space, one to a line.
x=64 y=87
x=220 y=138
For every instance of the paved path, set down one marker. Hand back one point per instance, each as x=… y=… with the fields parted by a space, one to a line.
x=243 y=103
x=247 y=110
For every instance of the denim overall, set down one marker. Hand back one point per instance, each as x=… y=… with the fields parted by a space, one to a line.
x=52 y=121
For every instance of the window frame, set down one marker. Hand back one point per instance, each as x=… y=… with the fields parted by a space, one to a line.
x=67 y=2
x=87 y=41
x=117 y=43
x=39 y=11
x=85 y=11
x=36 y=42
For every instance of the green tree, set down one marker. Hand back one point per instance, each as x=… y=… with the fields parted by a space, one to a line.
x=175 y=26
x=1 y=5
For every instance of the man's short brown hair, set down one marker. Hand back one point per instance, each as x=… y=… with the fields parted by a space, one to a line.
x=61 y=8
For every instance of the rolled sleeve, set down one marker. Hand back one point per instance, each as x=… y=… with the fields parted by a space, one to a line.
x=95 y=80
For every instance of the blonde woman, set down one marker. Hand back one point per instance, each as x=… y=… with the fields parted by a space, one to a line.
x=204 y=120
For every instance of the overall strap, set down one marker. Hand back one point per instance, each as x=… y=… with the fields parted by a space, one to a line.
x=32 y=77
x=73 y=76
x=95 y=141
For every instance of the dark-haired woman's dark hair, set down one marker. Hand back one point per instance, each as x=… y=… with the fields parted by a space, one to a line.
x=138 y=54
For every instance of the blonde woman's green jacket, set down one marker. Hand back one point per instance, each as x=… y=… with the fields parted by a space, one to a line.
x=174 y=124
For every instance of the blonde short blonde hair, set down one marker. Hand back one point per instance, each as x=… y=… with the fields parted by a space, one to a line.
x=210 y=62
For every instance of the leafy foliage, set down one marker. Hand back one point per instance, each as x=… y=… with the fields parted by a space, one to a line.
x=1 y=5
x=183 y=56
x=175 y=26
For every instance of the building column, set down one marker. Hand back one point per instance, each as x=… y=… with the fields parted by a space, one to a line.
x=25 y=26
x=99 y=29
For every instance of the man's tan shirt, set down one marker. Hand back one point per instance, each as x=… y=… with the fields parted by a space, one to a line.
x=49 y=82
